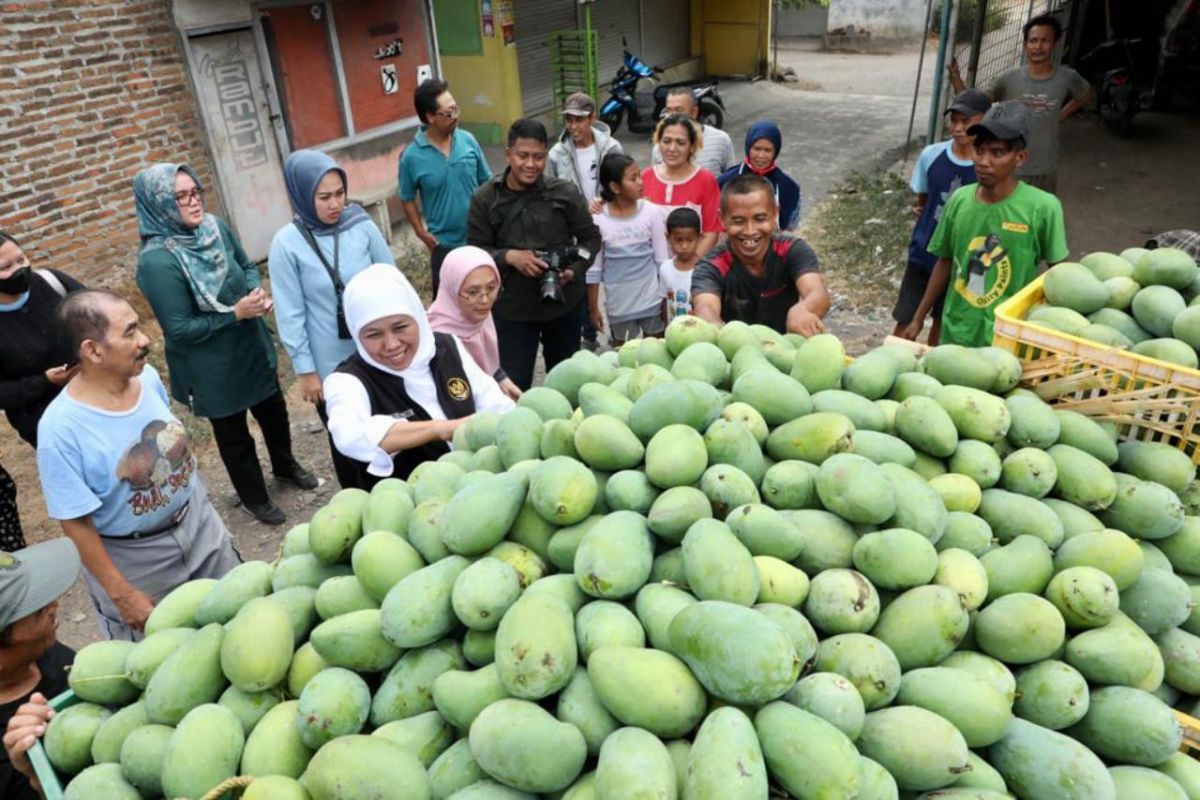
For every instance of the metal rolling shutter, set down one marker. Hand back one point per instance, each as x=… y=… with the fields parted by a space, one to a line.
x=612 y=19
x=534 y=20
x=666 y=32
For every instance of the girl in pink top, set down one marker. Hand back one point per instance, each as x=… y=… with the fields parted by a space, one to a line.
x=677 y=181
x=470 y=284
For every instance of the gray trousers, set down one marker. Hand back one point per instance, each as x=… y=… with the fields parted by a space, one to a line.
x=198 y=547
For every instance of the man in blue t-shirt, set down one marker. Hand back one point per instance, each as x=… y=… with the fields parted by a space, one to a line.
x=444 y=165
x=118 y=473
x=940 y=170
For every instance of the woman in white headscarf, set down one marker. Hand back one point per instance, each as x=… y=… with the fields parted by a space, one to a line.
x=397 y=401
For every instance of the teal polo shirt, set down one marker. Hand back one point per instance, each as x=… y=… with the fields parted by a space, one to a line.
x=445 y=184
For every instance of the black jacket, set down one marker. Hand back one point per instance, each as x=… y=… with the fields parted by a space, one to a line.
x=551 y=214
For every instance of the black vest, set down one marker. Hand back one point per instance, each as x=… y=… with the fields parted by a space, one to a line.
x=387 y=396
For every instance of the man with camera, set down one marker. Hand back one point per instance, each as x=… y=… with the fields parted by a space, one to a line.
x=539 y=231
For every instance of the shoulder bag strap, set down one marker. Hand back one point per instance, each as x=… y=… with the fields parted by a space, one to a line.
x=52 y=279
x=338 y=286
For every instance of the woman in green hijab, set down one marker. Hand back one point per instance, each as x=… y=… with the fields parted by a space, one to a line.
x=208 y=298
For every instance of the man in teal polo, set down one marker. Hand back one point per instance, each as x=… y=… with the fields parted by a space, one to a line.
x=444 y=165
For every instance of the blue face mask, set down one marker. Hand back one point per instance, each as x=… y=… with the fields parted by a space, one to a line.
x=16 y=283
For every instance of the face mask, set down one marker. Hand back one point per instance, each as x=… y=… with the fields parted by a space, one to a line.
x=17 y=283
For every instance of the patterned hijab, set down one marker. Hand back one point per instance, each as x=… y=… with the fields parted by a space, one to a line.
x=199 y=251
x=302 y=172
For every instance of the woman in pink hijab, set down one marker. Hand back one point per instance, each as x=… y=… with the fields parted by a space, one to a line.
x=470 y=284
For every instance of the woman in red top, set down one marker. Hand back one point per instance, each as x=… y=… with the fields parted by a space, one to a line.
x=677 y=181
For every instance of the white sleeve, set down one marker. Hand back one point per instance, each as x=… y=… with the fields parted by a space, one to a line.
x=488 y=395
x=356 y=432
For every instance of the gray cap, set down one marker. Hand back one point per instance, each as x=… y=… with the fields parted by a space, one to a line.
x=34 y=577
x=579 y=104
x=970 y=102
x=1004 y=121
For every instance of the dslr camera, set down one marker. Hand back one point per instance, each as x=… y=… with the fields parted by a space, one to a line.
x=557 y=259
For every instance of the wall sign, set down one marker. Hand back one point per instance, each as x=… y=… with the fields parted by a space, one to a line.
x=393 y=48
x=387 y=73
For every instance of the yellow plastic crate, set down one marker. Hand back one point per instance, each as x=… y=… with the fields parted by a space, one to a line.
x=1191 y=734
x=1148 y=399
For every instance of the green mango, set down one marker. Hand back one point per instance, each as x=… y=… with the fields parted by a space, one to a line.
x=455 y=769
x=483 y=592
x=1085 y=596
x=865 y=414
x=872 y=374
x=808 y=756
x=380 y=560
x=828 y=540
x=1108 y=550
x=760 y=671
x=614 y=557
x=1150 y=510
x=979 y=711
x=548 y=403
x=189 y=677
x=765 y=532
x=921 y=749
x=630 y=490
x=733 y=443
x=418 y=611
x=703 y=361
x=477 y=517
x=726 y=488
x=1019 y=628
x=717 y=565
x=819 y=363
x=607 y=624
x=250 y=707
x=275 y=787
x=336 y=702
x=648 y=689
x=965 y=532
x=923 y=423
x=387 y=509
x=1181 y=659
x=304 y=570
x=605 y=442
x=372 y=765
x=981 y=666
x=98 y=674
x=1145 y=784
x=790 y=485
x=725 y=759
x=918 y=505
x=101 y=780
x=656 y=605
x=883 y=448
x=579 y=705
x=687 y=402
x=842 y=601
x=749 y=416
x=1037 y=762
x=178 y=608
x=977 y=461
x=1182 y=549
x=204 y=750
x=832 y=698
x=357 y=640
x=855 y=489
x=866 y=662
x=111 y=735
x=633 y=761
x=1184 y=770
x=911 y=384
x=1157 y=462
x=565 y=542
x=1051 y=694
x=563 y=491
x=1011 y=515
x=1034 y=423
x=258 y=645
x=876 y=782
x=1023 y=565
x=425 y=735
x=896 y=558
x=407 y=689
x=1157 y=601
x=1075 y=520
x=1129 y=726
x=1117 y=653
x=1084 y=433
x=674 y=511
x=305 y=664
x=923 y=625
x=961 y=366
x=812 y=438
x=241 y=584
x=536 y=650
x=975 y=413
x=1029 y=472
x=780 y=582
x=964 y=574
x=521 y=744
x=141 y=757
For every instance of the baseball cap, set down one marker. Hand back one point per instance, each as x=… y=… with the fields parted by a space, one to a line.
x=34 y=577
x=1004 y=121
x=579 y=104
x=970 y=102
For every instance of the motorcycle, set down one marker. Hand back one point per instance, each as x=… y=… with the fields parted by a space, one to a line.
x=642 y=110
x=1120 y=93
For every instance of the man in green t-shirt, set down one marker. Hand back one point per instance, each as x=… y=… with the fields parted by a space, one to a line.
x=993 y=236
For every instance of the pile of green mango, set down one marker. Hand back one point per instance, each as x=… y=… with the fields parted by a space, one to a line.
x=722 y=565
x=1146 y=301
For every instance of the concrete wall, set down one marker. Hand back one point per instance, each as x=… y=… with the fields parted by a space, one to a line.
x=883 y=19
x=487 y=87
x=811 y=21
x=90 y=93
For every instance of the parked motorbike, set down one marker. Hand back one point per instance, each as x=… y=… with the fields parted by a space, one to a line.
x=1121 y=91
x=642 y=110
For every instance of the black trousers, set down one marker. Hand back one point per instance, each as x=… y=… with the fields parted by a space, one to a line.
x=236 y=445
x=11 y=537
x=559 y=339
x=349 y=472
x=435 y=265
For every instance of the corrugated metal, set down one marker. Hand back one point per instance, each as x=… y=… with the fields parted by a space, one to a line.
x=612 y=19
x=535 y=19
x=666 y=33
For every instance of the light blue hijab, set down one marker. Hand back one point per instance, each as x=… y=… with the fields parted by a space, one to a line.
x=199 y=251
x=302 y=172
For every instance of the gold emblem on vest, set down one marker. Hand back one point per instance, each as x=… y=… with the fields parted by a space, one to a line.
x=458 y=388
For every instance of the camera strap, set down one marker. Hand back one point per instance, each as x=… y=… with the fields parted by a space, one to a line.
x=338 y=286
x=512 y=213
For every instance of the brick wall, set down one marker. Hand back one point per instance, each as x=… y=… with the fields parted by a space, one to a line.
x=91 y=91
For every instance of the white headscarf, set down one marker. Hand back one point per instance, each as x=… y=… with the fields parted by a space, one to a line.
x=381 y=291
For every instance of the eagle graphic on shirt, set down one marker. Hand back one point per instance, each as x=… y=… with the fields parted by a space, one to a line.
x=985 y=255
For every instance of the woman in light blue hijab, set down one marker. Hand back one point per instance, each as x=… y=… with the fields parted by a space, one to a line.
x=208 y=298
x=312 y=258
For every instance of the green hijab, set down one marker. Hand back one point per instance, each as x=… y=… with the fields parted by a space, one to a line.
x=199 y=251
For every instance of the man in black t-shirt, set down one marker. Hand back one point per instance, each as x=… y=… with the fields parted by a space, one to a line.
x=33 y=664
x=759 y=275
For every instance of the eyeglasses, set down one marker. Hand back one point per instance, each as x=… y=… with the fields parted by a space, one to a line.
x=186 y=198
x=476 y=295
x=450 y=113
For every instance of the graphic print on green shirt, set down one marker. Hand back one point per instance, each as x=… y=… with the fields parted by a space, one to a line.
x=995 y=250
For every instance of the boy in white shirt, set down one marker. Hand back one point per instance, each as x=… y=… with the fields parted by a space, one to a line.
x=675 y=274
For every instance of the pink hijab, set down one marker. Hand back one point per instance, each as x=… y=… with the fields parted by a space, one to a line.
x=446 y=316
